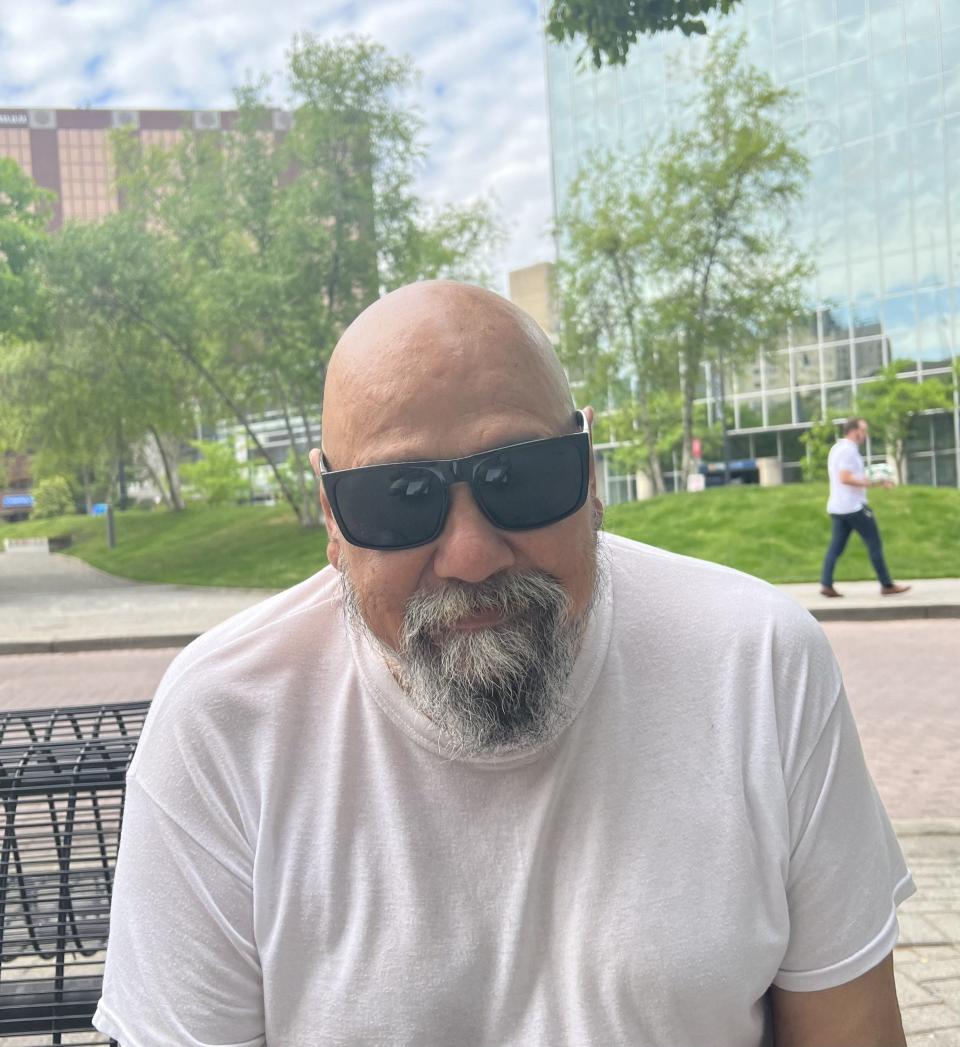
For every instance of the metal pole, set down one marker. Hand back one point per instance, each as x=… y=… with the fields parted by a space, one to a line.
x=723 y=422
x=111 y=529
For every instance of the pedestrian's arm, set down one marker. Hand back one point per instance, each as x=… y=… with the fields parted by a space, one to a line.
x=846 y=477
x=861 y=1013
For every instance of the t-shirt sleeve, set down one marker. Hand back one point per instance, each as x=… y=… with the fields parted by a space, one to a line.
x=849 y=458
x=182 y=965
x=847 y=874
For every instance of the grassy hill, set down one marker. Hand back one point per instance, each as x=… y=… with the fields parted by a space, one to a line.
x=777 y=533
x=781 y=533
x=247 y=546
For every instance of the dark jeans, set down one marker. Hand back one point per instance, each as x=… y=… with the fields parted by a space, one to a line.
x=865 y=525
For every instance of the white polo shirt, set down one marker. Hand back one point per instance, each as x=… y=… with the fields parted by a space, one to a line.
x=844 y=498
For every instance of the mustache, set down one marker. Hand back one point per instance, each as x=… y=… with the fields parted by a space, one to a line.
x=509 y=594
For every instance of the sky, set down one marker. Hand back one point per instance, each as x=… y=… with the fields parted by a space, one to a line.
x=482 y=91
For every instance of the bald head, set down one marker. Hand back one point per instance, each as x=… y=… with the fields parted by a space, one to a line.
x=433 y=360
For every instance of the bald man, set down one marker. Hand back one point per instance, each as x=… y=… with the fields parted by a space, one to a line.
x=486 y=779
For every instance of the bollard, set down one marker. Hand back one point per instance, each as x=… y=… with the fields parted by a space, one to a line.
x=111 y=529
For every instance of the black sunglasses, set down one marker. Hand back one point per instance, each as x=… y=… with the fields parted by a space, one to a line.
x=404 y=504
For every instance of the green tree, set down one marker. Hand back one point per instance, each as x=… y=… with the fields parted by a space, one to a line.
x=217 y=477
x=52 y=497
x=94 y=386
x=817 y=441
x=729 y=275
x=608 y=230
x=24 y=212
x=890 y=403
x=243 y=258
x=684 y=257
x=610 y=28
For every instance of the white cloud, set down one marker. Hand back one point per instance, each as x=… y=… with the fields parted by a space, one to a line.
x=482 y=92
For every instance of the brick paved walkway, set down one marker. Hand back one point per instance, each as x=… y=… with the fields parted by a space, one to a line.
x=928 y=957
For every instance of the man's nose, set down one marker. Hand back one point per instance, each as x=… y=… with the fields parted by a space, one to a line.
x=470 y=548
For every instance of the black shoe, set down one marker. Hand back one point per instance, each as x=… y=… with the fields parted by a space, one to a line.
x=828 y=590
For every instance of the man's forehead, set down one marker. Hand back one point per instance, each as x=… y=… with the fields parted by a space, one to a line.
x=450 y=371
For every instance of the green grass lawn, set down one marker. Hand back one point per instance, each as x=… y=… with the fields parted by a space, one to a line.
x=246 y=546
x=777 y=533
x=781 y=533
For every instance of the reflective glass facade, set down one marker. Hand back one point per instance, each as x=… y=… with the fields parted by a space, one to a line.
x=878 y=85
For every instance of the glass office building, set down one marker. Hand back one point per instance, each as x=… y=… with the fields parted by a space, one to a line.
x=878 y=88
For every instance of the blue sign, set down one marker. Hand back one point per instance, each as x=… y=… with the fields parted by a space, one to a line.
x=18 y=501
x=99 y=509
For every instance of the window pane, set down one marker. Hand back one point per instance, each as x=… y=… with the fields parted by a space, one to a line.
x=919 y=470
x=778 y=410
x=839 y=400
x=806 y=366
x=765 y=445
x=836 y=363
x=792 y=449
x=919 y=436
x=776 y=371
x=943 y=433
x=808 y=405
x=869 y=356
x=852 y=40
x=750 y=413
x=947 y=470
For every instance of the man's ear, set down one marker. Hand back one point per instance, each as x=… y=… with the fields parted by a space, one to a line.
x=597 y=504
x=333 y=534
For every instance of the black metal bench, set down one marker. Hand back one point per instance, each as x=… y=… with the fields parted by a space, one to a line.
x=62 y=782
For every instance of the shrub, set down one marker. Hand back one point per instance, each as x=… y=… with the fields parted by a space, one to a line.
x=218 y=478
x=52 y=497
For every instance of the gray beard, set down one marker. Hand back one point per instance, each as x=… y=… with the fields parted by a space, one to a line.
x=491 y=690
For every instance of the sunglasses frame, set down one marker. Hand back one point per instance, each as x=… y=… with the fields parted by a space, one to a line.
x=451 y=471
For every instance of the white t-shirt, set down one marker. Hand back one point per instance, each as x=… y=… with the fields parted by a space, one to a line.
x=301 y=866
x=844 y=498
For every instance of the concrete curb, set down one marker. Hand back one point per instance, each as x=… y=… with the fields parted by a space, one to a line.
x=893 y=612
x=926 y=826
x=96 y=643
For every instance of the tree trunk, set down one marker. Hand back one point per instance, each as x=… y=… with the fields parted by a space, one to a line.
x=650 y=442
x=186 y=353
x=686 y=400
x=173 y=498
x=87 y=496
x=308 y=508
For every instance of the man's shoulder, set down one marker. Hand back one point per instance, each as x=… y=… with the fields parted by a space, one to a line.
x=247 y=684
x=844 y=449
x=682 y=594
x=278 y=631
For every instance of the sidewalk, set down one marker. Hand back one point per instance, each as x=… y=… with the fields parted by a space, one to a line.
x=51 y=602
x=861 y=601
x=927 y=960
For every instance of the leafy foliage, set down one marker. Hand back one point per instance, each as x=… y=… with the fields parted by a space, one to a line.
x=890 y=403
x=611 y=27
x=817 y=441
x=239 y=259
x=217 y=477
x=684 y=257
x=24 y=212
x=52 y=497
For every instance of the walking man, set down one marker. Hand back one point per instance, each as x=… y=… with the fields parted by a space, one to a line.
x=849 y=511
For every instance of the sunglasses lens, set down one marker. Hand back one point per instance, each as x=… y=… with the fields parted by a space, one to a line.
x=533 y=485
x=390 y=508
